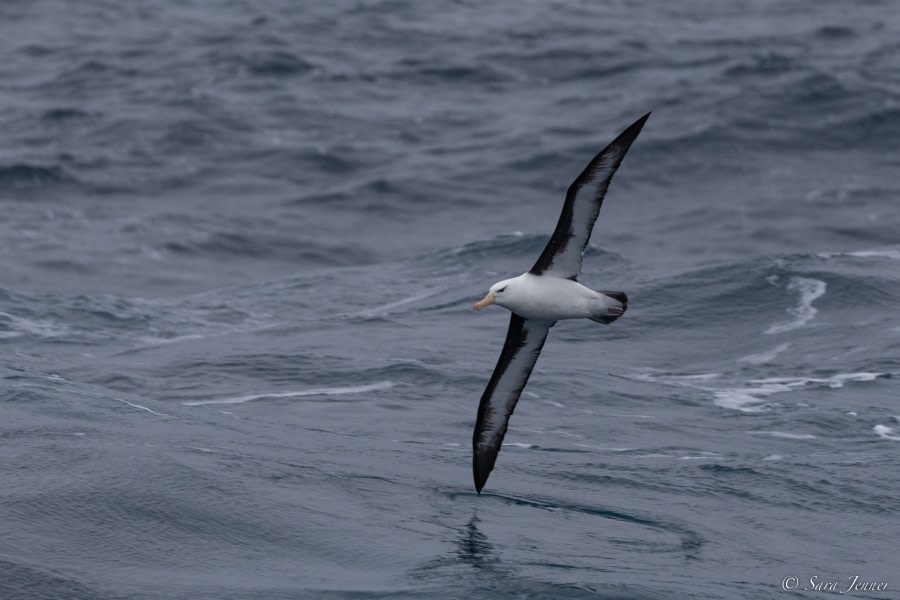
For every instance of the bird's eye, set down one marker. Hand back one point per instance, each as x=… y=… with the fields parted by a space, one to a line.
x=501 y=289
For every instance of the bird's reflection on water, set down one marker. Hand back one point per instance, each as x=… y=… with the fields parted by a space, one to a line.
x=473 y=554
x=474 y=548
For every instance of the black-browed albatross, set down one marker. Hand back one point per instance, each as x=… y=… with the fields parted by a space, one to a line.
x=544 y=295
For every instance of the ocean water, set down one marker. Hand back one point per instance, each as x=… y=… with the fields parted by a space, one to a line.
x=239 y=247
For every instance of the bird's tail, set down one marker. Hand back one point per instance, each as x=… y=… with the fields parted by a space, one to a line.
x=614 y=309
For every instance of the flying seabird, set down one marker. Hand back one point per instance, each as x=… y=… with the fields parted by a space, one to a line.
x=544 y=295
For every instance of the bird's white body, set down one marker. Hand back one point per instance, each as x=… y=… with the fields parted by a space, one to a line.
x=547 y=298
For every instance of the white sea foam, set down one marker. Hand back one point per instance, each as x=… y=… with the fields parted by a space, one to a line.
x=764 y=357
x=745 y=399
x=883 y=253
x=159 y=341
x=701 y=455
x=604 y=448
x=686 y=380
x=888 y=433
x=333 y=391
x=627 y=416
x=385 y=309
x=19 y=326
x=140 y=407
x=785 y=434
x=566 y=434
x=810 y=290
x=835 y=381
x=752 y=396
x=894 y=254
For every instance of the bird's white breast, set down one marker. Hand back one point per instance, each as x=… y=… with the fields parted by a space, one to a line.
x=550 y=298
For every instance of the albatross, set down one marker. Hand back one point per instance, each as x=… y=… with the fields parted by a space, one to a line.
x=544 y=295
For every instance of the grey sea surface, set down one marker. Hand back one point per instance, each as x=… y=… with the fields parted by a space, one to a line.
x=239 y=247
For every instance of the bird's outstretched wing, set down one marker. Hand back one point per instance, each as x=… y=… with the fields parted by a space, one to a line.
x=562 y=255
x=523 y=344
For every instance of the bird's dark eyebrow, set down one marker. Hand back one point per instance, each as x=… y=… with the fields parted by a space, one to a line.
x=501 y=289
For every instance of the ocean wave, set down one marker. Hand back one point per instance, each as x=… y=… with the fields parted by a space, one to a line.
x=769 y=63
x=12 y=326
x=277 y=63
x=427 y=71
x=24 y=176
x=64 y=113
x=806 y=286
x=124 y=323
x=809 y=290
x=520 y=247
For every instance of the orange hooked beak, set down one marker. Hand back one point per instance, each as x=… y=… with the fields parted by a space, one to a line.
x=486 y=301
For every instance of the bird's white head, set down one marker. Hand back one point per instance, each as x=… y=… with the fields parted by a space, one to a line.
x=498 y=294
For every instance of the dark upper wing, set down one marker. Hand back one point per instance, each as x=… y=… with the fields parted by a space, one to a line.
x=562 y=256
x=523 y=344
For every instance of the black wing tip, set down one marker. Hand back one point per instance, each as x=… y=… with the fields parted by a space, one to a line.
x=482 y=465
x=615 y=151
x=630 y=134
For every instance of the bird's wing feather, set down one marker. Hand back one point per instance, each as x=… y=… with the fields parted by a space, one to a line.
x=523 y=344
x=562 y=255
